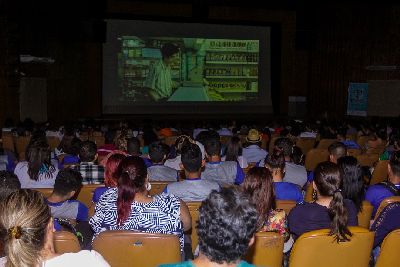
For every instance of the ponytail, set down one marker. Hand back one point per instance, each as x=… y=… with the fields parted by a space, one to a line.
x=132 y=177
x=339 y=217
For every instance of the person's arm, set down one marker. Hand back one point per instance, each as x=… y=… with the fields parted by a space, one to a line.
x=185 y=216
x=239 y=174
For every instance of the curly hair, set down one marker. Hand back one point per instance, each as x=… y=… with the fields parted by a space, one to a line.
x=227 y=222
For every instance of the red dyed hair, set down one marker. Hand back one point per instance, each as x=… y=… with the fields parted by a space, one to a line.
x=132 y=173
x=110 y=174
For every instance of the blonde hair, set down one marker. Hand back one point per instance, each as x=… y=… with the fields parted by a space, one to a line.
x=24 y=217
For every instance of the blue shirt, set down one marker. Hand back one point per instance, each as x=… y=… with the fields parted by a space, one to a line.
x=190 y=264
x=98 y=193
x=288 y=191
x=388 y=220
x=376 y=193
x=350 y=144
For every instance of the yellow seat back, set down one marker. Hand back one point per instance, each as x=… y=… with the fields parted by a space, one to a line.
x=317 y=248
x=389 y=255
x=157 y=187
x=325 y=143
x=305 y=144
x=66 y=242
x=367 y=159
x=136 y=249
x=386 y=202
x=380 y=172
x=286 y=205
x=364 y=217
x=194 y=214
x=267 y=250
x=86 y=193
x=315 y=156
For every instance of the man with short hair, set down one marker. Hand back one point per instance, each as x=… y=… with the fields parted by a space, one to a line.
x=378 y=192
x=9 y=183
x=222 y=172
x=133 y=147
x=193 y=188
x=336 y=151
x=158 y=172
x=90 y=171
x=68 y=183
x=226 y=227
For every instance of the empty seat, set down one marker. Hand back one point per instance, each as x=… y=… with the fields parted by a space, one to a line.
x=267 y=250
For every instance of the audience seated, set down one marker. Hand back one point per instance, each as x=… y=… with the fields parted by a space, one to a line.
x=68 y=183
x=336 y=151
x=193 y=188
x=234 y=152
x=352 y=180
x=157 y=171
x=258 y=184
x=378 y=192
x=134 y=150
x=387 y=221
x=26 y=227
x=222 y=172
x=129 y=207
x=110 y=176
x=179 y=143
x=252 y=150
x=71 y=155
x=8 y=183
x=37 y=171
x=275 y=163
x=91 y=172
x=330 y=210
x=226 y=228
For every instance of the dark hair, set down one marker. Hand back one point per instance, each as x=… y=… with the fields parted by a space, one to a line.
x=191 y=157
x=182 y=141
x=88 y=151
x=276 y=159
x=157 y=152
x=110 y=173
x=38 y=157
x=338 y=149
x=233 y=149
x=328 y=182
x=395 y=163
x=212 y=147
x=286 y=145
x=67 y=180
x=75 y=147
x=133 y=146
x=258 y=184
x=352 y=180
x=297 y=156
x=227 y=222
x=168 y=50
x=132 y=173
x=8 y=183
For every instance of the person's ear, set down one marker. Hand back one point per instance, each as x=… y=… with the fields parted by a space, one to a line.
x=203 y=163
x=96 y=157
x=181 y=166
x=252 y=240
x=314 y=186
x=71 y=194
x=389 y=170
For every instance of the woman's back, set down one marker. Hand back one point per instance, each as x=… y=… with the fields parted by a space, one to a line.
x=46 y=177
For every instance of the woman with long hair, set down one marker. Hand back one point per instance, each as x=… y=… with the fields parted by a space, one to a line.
x=258 y=184
x=352 y=180
x=129 y=207
x=329 y=211
x=26 y=229
x=37 y=171
x=234 y=152
x=110 y=175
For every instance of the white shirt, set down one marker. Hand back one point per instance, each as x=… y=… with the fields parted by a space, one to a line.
x=254 y=153
x=241 y=160
x=81 y=259
x=224 y=132
x=160 y=79
x=21 y=170
x=174 y=163
x=295 y=174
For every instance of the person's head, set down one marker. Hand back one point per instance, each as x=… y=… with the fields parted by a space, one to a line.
x=286 y=145
x=327 y=183
x=253 y=137
x=121 y=141
x=157 y=152
x=336 y=151
x=275 y=162
x=67 y=183
x=38 y=158
x=25 y=227
x=110 y=172
x=394 y=168
x=352 y=180
x=297 y=156
x=180 y=142
x=212 y=147
x=75 y=147
x=8 y=183
x=132 y=173
x=88 y=152
x=258 y=184
x=168 y=50
x=233 y=149
x=191 y=157
x=133 y=146
x=226 y=226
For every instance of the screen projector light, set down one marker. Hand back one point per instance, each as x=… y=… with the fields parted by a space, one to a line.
x=381 y=67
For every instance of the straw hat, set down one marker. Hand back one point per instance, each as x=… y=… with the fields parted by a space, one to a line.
x=253 y=136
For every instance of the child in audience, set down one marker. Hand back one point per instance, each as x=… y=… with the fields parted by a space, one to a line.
x=91 y=172
x=226 y=227
x=158 y=172
x=68 y=183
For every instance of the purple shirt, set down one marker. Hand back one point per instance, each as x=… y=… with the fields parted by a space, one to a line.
x=376 y=193
x=387 y=221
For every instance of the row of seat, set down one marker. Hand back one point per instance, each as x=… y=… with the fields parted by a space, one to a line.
x=312 y=249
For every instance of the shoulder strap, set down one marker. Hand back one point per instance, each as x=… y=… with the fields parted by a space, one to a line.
x=391 y=187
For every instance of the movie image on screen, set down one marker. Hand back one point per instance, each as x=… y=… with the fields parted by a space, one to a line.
x=187 y=69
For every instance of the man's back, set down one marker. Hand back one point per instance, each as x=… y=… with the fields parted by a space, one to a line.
x=295 y=174
x=254 y=153
x=91 y=173
x=376 y=193
x=192 y=189
x=223 y=172
x=162 y=173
